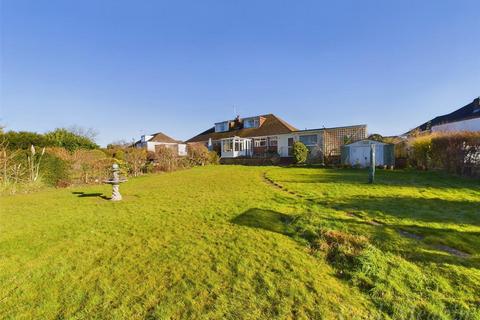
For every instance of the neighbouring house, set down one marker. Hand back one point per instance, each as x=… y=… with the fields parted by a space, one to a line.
x=358 y=153
x=466 y=118
x=154 y=141
x=265 y=135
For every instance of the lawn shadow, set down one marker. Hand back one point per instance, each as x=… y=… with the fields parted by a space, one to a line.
x=422 y=209
x=267 y=220
x=382 y=235
x=82 y=194
x=400 y=178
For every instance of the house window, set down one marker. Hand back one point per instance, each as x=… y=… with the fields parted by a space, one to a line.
x=272 y=141
x=251 y=123
x=238 y=145
x=227 y=145
x=221 y=126
x=309 y=140
x=262 y=142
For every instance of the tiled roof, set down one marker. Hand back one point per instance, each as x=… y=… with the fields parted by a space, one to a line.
x=161 y=137
x=272 y=125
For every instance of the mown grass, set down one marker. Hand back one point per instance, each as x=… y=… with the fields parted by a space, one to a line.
x=220 y=242
x=413 y=221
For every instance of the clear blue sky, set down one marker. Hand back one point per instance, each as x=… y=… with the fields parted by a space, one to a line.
x=132 y=67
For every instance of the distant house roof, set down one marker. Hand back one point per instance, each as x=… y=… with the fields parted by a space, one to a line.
x=161 y=137
x=470 y=111
x=157 y=137
x=272 y=125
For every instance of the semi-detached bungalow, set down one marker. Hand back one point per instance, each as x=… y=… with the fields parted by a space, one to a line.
x=268 y=134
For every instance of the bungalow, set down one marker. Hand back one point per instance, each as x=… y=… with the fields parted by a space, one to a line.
x=262 y=135
x=466 y=118
x=154 y=141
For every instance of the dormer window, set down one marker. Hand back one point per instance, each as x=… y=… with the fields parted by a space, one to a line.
x=221 y=126
x=251 y=122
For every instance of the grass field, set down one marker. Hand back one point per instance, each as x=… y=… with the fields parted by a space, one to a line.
x=246 y=243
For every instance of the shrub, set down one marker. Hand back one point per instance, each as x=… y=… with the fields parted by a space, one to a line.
x=214 y=158
x=300 y=152
x=55 y=171
x=420 y=151
x=69 y=140
x=198 y=154
x=165 y=159
x=457 y=152
x=58 y=138
x=136 y=160
x=84 y=166
x=90 y=165
x=23 y=140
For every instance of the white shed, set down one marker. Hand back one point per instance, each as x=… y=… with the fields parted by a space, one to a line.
x=358 y=153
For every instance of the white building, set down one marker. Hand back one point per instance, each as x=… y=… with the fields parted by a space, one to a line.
x=156 y=140
x=358 y=153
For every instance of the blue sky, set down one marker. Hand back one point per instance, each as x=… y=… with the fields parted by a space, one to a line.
x=131 y=67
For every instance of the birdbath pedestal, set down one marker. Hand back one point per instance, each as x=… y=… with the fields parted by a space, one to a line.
x=115 y=182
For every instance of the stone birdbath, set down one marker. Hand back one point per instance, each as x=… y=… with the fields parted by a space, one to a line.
x=115 y=182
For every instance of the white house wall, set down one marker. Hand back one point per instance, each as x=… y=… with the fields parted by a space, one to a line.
x=182 y=149
x=282 y=144
x=152 y=144
x=465 y=125
x=283 y=141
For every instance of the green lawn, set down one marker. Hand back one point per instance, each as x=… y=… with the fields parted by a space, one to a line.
x=226 y=242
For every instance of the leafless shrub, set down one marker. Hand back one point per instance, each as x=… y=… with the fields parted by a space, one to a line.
x=165 y=159
x=136 y=160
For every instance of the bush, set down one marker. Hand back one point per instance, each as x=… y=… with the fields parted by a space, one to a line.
x=214 y=158
x=420 y=152
x=198 y=154
x=457 y=152
x=135 y=160
x=69 y=140
x=55 y=171
x=454 y=152
x=23 y=140
x=300 y=152
x=58 y=138
x=85 y=166
x=165 y=159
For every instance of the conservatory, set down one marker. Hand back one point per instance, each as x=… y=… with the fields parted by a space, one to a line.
x=236 y=147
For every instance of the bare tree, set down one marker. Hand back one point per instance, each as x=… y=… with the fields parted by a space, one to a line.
x=89 y=133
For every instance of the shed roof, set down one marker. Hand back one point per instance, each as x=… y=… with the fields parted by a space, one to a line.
x=365 y=142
